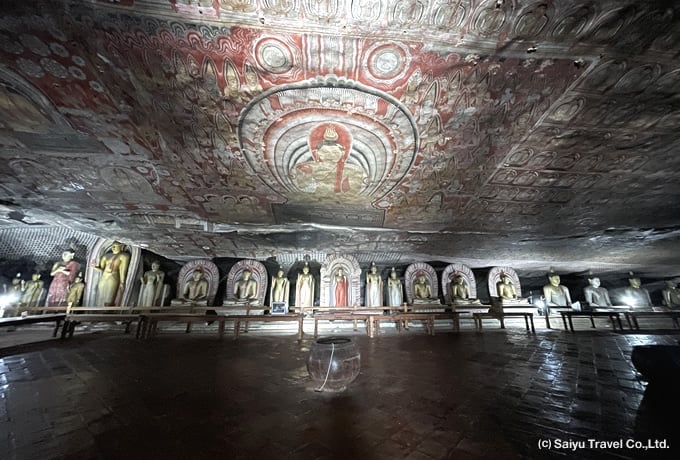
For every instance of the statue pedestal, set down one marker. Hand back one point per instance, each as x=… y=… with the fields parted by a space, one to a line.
x=466 y=302
x=426 y=302
x=190 y=304
x=234 y=307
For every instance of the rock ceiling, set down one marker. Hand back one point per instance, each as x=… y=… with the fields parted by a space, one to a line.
x=489 y=132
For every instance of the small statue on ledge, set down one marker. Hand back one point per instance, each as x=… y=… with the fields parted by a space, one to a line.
x=341 y=288
x=374 y=288
x=395 y=293
x=32 y=291
x=152 y=286
x=280 y=287
x=305 y=286
x=75 y=291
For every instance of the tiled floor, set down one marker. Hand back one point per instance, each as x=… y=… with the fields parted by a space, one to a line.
x=496 y=394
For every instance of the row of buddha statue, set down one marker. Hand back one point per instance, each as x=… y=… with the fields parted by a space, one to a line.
x=115 y=275
x=338 y=289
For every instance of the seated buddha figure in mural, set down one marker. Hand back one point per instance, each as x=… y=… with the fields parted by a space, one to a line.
x=329 y=172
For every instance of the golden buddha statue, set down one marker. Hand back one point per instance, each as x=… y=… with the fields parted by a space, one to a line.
x=113 y=267
x=422 y=291
x=459 y=290
x=280 y=287
x=195 y=290
x=555 y=294
x=75 y=291
x=32 y=291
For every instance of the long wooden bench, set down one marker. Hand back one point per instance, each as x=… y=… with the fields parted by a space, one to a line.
x=238 y=319
x=632 y=317
x=148 y=323
x=528 y=319
x=126 y=315
x=76 y=316
x=568 y=315
x=58 y=318
x=367 y=318
x=428 y=319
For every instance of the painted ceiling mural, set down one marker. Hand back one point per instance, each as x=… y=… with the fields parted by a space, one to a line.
x=247 y=128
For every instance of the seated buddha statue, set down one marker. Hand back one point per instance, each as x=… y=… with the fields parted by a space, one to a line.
x=635 y=295
x=671 y=295
x=555 y=294
x=596 y=295
x=459 y=291
x=195 y=291
x=422 y=291
x=245 y=289
x=506 y=291
x=33 y=291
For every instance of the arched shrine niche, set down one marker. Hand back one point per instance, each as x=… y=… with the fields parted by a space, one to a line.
x=209 y=273
x=449 y=275
x=111 y=274
x=335 y=271
x=495 y=277
x=411 y=275
x=258 y=273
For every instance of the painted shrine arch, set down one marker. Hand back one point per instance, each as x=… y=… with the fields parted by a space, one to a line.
x=411 y=275
x=495 y=277
x=209 y=272
x=448 y=276
x=328 y=139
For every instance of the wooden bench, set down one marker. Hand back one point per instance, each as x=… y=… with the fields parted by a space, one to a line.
x=238 y=319
x=632 y=317
x=528 y=319
x=148 y=323
x=76 y=316
x=567 y=315
x=367 y=318
x=58 y=318
x=428 y=319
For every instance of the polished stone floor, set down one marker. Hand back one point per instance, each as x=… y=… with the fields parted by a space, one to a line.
x=496 y=394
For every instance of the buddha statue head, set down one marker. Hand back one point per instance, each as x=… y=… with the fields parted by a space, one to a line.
x=634 y=281
x=553 y=278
